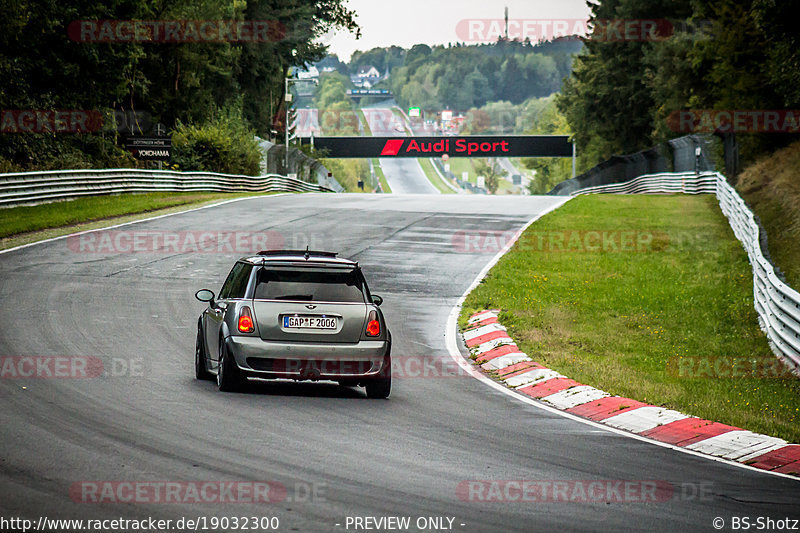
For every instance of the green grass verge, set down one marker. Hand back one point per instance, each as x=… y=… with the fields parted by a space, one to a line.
x=433 y=176
x=348 y=171
x=21 y=219
x=381 y=177
x=621 y=320
x=459 y=165
x=26 y=224
x=364 y=123
x=375 y=163
x=504 y=186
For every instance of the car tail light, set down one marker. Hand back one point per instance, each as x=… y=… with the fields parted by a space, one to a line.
x=246 y=320
x=373 y=325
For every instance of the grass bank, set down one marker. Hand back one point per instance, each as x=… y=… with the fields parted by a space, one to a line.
x=381 y=177
x=459 y=165
x=620 y=291
x=375 y=162
x=433 y=176
x=26 y=224
x=364 y=123
x=772 y=188
x=22 y=219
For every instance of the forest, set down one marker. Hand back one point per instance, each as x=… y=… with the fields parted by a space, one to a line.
x=721 y=55
x=214 y=90
x=462 y=76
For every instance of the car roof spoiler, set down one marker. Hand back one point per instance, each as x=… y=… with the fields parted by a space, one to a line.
x=306 y=253
x=309 y=257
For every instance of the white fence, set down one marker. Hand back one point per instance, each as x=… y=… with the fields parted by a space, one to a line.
x=30 y=187
x=777 y=304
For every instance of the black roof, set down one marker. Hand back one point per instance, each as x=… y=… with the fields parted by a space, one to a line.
x=300 y=258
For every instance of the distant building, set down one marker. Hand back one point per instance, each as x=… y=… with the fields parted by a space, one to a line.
x=368 y=71
x=366 y=77
x=309 y=74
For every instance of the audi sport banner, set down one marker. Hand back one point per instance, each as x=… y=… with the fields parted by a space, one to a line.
x=461 y=146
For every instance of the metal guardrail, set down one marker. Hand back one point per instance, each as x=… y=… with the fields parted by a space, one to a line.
x=29 y=187
x=677 y=155
x=777 y=304
x=666 y=182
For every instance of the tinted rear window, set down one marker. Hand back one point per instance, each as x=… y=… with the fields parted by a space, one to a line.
x=236 y=283
x=309 y=286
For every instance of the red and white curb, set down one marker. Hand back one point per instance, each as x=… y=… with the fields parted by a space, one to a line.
x=496 y=352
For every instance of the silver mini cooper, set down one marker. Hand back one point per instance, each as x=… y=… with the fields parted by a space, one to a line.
x=292 y=314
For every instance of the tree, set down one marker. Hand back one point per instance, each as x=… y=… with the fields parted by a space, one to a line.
x=541 y=73
x=264 y=65
x=418 y=53
x=42 y=68
x=512 y=81
x=621 y=92
x=477 y=121
x=607 y=100
x=453 y=91
x=544 y=118
x=503 y=115
x=477 y=84
x=382 y=59
x=776 y=21
x=462 y=77
x=491 y=170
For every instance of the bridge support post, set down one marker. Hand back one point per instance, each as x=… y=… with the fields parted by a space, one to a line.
x=573 y=159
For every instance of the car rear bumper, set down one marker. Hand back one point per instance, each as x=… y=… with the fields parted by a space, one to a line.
x=287 y=360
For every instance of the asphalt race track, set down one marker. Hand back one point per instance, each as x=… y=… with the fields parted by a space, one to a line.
x=151 y=421
x=405 y=176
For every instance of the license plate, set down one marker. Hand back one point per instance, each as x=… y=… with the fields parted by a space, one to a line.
x=309 y=322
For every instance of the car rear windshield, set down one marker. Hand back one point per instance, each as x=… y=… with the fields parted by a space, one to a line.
x=310 y=286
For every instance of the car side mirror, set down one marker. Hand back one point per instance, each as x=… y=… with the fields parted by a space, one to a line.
x=205 y=295
x=377 y=300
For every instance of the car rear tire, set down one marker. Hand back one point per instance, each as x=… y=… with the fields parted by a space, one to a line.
x=200 y=370
x=382 y=386
x=229 y=377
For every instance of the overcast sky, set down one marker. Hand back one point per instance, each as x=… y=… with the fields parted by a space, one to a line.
x=408 y=22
